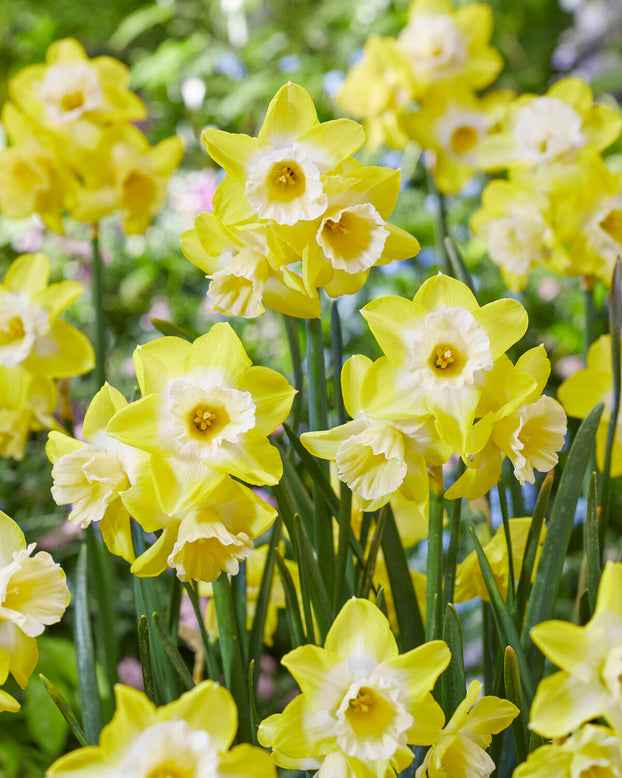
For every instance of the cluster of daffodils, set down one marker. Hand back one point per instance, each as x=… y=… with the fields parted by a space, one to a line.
x=36 y=347
x=294 y=213
x=587 y=688
x=363 y=704
x=33 y=595
x=444 y=385
x=74 y=146
x=174 y=460
x=560 y=205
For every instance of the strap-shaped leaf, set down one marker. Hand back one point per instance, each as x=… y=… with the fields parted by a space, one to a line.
x=546 y=583
x=514 y=693
x=145 y=657
x=168 y=328
x=322 y=606
x=172 y=652
x=458 y=266
x=453 y=684
x=592 y=544
x=409 y=619
x=434 y=570
x=263 y=598
x=292 y=610
x=63 y=706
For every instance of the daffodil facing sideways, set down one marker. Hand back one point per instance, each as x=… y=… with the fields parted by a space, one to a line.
x=362 y=703
x=590 y=751
x=91 y=476
x=439 y=348
x=588 y=685
x=190 y=736
x=469 y=578
x=205 y=413
x=588 y=387
x=201 y=541
x=33 y=595
x=515 y=420
x=460 y=747
x=31 y=335
x=379 y=458
x=282 y=169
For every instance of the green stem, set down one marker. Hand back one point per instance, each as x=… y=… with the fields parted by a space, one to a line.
x=434 y=596
x=213 y=671
x=441 y=231
x=451 y=560
x=293 y=341
x=589 y=323
x=98 y=307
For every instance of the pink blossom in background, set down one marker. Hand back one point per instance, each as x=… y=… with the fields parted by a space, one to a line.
x=130 y=672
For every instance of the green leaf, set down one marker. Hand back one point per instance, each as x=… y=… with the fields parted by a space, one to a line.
x=90 y=702
x=38 y=711
x=505 y=626
x=263 y=598
x=213 y=669
x=318 y=476
x=514 y=693
x=406 y=607
x=592 y=544
x=145 y=658
x=137 y=22
x=508 y=542
x=172 y=652
x=453 y=684
x=370 y=563
x=546 y=583
x=292 y=610
x=231 y=652
x=460 y=270
x=434 y=570
x=168 y=328
x=531 y=547
x=308 y=563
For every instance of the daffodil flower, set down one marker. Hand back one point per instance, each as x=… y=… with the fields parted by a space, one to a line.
x=588 y=685
x=361 y=701
x=205 y=413
x=282 y=168
x=460 y=748
x=440 y=347
x=189 y=736
x=33 y=595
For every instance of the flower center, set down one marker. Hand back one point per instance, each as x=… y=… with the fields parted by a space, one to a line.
x=72 y=101
x=336 y=227
x=16 y=328
x=362 y=702
x=444 y=357
x=286 y=181
x=463 y=139
x=202 y=418
x=170 y=771
x=612 y=224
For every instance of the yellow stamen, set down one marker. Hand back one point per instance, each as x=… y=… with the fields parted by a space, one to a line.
x=202 y=419
x=285 y=176
x=336 y=227
x=444 y=358
x=362 y=702
x=16 y=328
x=72 y=101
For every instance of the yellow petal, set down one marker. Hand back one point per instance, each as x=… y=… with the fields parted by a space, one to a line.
x=361 y=629
x=290 y=113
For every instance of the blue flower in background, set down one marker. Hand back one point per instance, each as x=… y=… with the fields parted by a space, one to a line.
x=230 y=65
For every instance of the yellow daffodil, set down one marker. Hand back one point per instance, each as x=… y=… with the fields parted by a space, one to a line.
x=516 y=223
x=352 y=234
x=199 y=542
x=460 y=748
x=588 y=387
x=92 y=476
x=205 y=413
x=446 y=43
x=189 y=736
x=452 y=123
x=246 y=262
x=282 y=168
x=27 y=403
x=33 y=595
x=589 y=217
x=379 y=89
x=70 y=87
x=361 y=703
x=588 y=686
x=516 y=421
x=469 y=579
x=591 y=751
x=30 y=333
x=378 y=458
x=439 y=348
x=121 y=171
x=546 y=133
